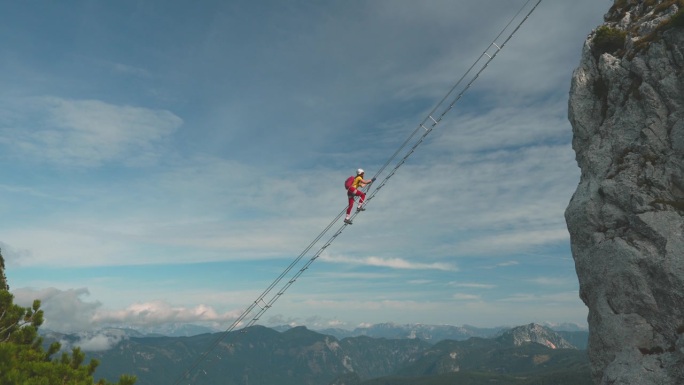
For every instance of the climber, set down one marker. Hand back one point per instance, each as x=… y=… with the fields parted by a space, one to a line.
x=353 y=186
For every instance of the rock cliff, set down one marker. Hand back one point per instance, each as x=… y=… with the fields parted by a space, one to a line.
x=625 y=219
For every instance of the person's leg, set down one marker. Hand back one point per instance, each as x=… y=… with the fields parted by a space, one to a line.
x=350 y=196
x=362 y=198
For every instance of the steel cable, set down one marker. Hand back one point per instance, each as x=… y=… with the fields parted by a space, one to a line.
x=261 y=301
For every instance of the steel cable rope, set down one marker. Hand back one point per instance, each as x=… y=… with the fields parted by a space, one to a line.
x=434 y=109
x=251 y=307
x=437 y=120
x=265 y=305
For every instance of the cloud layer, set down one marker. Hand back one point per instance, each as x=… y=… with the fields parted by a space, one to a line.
x=68 y=311
x=169 y=164
x=87 y=133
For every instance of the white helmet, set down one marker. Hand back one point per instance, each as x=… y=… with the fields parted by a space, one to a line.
x=359 y=171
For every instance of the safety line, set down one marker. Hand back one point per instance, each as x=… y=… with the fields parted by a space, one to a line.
x=436 y=121
x=261 y=303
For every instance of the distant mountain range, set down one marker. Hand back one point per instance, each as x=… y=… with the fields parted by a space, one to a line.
x=430 y=333
x=435 y=333
x=298 y=356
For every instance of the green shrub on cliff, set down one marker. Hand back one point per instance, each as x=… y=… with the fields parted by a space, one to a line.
x=608 y=40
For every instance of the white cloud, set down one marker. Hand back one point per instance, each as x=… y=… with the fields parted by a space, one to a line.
x=465 y=297
x=393 y=263
x=507 y=126
x=552 y=281
x=87 y=133
x=542 y=299
x=129 y=70
x=64 y=245
x=96 y=341
x=311 y=322
x=506 y=243
x=160 y=312
x=66 y=311
x=11 y=255
x=502 y=264
x=472 y=285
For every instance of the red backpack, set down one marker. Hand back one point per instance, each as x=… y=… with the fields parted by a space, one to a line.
x=348 y=183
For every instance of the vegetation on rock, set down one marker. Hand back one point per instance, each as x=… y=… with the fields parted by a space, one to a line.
x=608 y=40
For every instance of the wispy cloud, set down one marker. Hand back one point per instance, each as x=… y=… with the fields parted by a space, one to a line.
x=542 y=299
x=89 y=133
x=65 y=246
x=472 y=285
x=472 y=309
x=393 y=263
x=505 y=243
x=552 y=281
x=465 y=297
x=130 y=70
x=503 y=264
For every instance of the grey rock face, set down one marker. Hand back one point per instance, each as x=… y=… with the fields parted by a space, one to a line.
x=626 y=217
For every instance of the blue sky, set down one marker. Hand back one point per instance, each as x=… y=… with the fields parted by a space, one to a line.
x=164 y=161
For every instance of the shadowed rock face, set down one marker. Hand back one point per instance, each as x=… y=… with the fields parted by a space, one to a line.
x=626 y=218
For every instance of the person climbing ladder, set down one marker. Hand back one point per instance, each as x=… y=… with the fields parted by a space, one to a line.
x=353 y=186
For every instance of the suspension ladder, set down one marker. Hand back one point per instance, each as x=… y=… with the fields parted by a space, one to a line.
x=263 y=302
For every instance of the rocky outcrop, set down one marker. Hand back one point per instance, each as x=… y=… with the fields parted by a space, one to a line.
x=534 y=333
x=625 y=219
